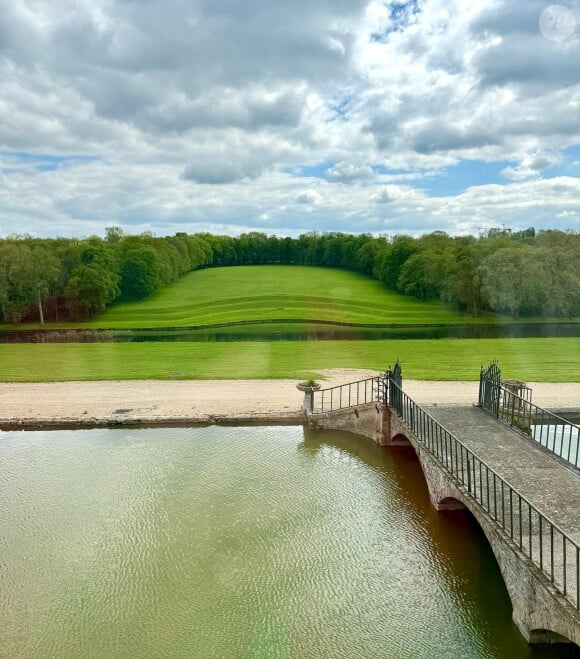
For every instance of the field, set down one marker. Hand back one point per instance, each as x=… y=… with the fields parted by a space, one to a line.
x=541 y=360
x=264 y=292
x=281 y=293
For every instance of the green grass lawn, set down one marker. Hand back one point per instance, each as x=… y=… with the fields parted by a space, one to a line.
x=544 y=360
x=266 y=292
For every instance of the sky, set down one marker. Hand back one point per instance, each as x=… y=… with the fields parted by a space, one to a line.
x=288 y=116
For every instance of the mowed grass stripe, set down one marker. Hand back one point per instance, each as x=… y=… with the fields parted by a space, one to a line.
x=542 y=360
x=264 y=292
x=260 y=306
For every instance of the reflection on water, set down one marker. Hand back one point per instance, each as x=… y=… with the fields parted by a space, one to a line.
x=237 y=542
x=296 y=331
x=563 y=440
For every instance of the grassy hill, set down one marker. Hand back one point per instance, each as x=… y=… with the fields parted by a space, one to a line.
x=264 y=292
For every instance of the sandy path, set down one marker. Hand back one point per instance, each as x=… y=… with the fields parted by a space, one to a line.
x=206 y=399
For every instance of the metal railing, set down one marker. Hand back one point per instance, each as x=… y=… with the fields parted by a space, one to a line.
x=371 y=390
x=542 y=541
x=551 y=431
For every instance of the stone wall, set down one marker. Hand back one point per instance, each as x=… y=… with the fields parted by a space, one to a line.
x=367 y=420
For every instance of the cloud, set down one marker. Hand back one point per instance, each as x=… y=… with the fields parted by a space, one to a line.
x=531 y=166
x=346 y=172
x=384 y=196
x=196 y=115
x=308 y=197
x=250 y=110
x=477 y=80
x=220 y=172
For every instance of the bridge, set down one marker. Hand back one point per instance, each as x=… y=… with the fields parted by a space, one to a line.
x=513 y=465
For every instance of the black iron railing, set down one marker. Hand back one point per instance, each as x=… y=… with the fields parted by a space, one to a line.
x=489 y=386
x=371 y=390
x=542 y=541
x=553 y=432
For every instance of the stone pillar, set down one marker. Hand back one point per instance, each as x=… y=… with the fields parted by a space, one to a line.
x=514 y=406
x=308 y=401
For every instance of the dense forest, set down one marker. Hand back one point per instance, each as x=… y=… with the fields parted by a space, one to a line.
x=527 y=273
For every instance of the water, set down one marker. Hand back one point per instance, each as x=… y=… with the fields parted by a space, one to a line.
x=237 y=542
x=296 y=331
x=563 y=440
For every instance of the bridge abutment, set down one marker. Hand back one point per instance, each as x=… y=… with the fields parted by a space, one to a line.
x=371 y=420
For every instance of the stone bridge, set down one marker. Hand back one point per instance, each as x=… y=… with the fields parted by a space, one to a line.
x=524 y=495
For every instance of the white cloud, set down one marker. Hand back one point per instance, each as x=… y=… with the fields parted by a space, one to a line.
x=308 y=197
x=347 y=172
x=531 y=166
x=201 y=115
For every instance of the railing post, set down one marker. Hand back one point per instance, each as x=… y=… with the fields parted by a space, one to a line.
x=468 y=476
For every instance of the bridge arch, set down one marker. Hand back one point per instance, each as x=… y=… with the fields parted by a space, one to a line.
x=442 y=492
x=400 y=439
x=541 y=613
x=532 y=608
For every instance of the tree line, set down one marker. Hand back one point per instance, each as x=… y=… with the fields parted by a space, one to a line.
x=524 y=273
x=63 y=278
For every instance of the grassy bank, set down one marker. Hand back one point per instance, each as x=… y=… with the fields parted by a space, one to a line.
x=543 y=360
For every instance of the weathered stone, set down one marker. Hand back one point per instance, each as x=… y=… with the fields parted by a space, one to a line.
x=540 y=611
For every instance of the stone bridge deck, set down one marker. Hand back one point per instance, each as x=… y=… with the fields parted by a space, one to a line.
x=544 y=480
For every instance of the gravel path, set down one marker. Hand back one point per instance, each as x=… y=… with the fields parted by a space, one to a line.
x=207 y=400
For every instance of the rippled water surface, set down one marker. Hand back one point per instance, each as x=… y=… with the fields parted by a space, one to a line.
x=237 y=542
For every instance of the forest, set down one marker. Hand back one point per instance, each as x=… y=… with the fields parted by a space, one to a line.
x=525 y=273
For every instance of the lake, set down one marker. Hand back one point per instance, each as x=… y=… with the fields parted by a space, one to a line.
x=239 y=542
x=295 y=331
x=563 y=440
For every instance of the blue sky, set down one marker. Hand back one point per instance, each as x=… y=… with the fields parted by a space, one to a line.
x=362 y=115
x=44 y=162
x=455 y=179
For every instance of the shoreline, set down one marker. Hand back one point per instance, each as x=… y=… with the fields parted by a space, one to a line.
x=90 y=423
x=151 y=403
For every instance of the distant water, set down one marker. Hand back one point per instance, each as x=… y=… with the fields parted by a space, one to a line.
x=238 y=542
x=296 y=331
x=562 y=440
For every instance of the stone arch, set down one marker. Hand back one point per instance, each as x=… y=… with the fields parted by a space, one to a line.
x=547 y=636
x=400 y=440
x=535 y=611
x=538 y=610
x=442 y=493
x=450 y=503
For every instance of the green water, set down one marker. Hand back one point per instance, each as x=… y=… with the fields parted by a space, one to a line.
x=237 y=542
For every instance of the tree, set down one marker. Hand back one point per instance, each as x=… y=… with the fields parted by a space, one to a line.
x=422 y=275
x=366 y=255
x=512 y=279
x=44 y=270
x=90 y=290
x=401 y=249
x=139 y=273
x=27 y=276
x=114 y=234
x=561 y=274
x=461 y=286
